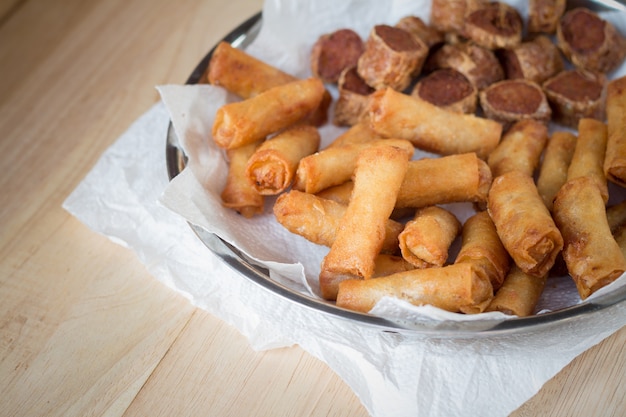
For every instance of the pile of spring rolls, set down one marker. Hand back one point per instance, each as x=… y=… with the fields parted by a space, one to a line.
x=381 y=212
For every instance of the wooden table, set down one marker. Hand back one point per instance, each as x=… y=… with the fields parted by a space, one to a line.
x=84 y=329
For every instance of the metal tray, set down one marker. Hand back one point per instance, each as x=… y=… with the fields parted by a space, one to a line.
x=175 y=158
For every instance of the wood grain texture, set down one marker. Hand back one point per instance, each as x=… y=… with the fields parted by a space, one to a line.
x=85 y=330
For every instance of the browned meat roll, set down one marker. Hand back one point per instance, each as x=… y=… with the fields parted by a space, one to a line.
x=576 y=94
x=391 y=57
x=509 y=101
x=479 y=65
x=449 y=89
x=494 y=25
x=334 y=52
x=543 y=15
x=352 y=103
x=590 y=42
x=535 y=60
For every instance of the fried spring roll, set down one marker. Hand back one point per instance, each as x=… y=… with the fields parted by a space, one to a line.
x=620 y=238
x=377 y=179
x=431 y=128
x=481 y=246
x=387 y=264
x=246 y=76
x=553 y=170
x=616 y=215
x=449 y=179
x=519 y=293
x=318 y=219
x=246 y=121
x=238 y=194
x=615 y=159
x=520 y=148
x=426 y=238
x=523 y=223
x=588 y=158
x=340 y=193
x=359 y=133
x=456 y=288
x=272 y=167
x=592 y=255
x=335 y=165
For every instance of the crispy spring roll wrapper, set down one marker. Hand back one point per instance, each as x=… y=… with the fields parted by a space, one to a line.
x=317 y=219
x=593 y=257
x=620 y=238
x=246 y=76
x=588 y=158
x=616 y=215
x=377 y=179
x=523 y=223
x=426 y=238
x=387 y=264
x=359 y=133
x=431 y=128
x=482 y=247
x=271 y=111
x=455 y=288
x=519 y=293
x=553 y=170
x=272 y=167
x=335 y=165
x=238 y=194
x=615 y=159
x=341 y=193
x=520 y=148
x=449 y=179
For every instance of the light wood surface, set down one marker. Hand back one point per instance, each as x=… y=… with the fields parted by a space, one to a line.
x=84 y=329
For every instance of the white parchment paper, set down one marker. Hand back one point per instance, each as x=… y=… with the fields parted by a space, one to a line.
x=393 y=374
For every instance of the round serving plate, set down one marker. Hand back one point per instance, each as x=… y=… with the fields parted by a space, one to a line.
x=242 y=36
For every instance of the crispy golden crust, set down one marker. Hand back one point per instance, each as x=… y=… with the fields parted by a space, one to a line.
x=593 y=257
x=456 y=288
x=523 y=222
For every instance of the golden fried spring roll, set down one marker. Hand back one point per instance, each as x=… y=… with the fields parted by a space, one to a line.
x=426 y=238
x=553 y=170
x=241 y=73
x=519 y=293
x=318 y=219
x=340 y=193
x=523 y=223
x=359 y=133
x=335 y=165
x=377 y=179
x=616 y=215
x=272 y=167
x=431 y=128
x=520 y=148
x=615 y=160
x=387 y=264
x=238 y=194
x=449 y=179
x=456 y=288
x=481 y=246
x=246 y=76
x=588 y=158
x=246 y=121
x=592 y=255
x=620 y=238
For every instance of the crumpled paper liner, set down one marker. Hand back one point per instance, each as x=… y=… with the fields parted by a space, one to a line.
x=393 y=374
